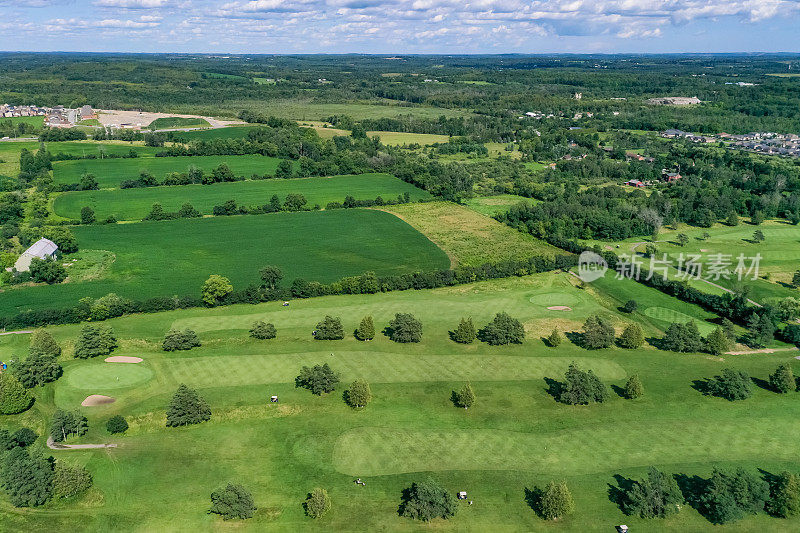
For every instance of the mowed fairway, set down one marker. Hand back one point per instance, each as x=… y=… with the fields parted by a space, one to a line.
x=134 y=204
x=110 y=172
x=513 y=438
x=175 y=257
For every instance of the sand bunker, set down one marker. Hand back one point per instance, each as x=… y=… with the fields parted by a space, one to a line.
x=123 y=359
x=97 y=399
x=559 y=308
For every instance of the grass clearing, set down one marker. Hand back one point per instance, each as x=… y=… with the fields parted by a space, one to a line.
x=110 y=172
x=135 y=204
x=307 y=110
x=493 y=205
x=178 y=122
x=175 y=257
x=469 y=238
x=395 y=138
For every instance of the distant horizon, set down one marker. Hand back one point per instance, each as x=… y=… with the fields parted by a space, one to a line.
x=408 y=54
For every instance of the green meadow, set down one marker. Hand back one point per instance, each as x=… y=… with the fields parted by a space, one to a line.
x=516 y=435
x=178 y=122
x=232 y=132
x=134 y=204
x=175 y=257
x=110 y=172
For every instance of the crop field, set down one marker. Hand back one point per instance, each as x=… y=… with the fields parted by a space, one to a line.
x=394 y=138
x=468 y=237
x=134 y=204
x=9 y=151
x=178 y=122
x=411 y=429
x=305 y=110
x=175 y=257
x=492 y=205
x=110 y=172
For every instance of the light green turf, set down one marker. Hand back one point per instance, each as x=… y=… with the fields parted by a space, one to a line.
x=100 y=376
x=668 y=316
x=135 y=204
x=110 y=172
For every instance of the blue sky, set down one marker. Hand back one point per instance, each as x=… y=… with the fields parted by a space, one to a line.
x=401 y=26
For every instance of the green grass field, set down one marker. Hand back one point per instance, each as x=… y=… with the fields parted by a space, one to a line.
x=514 y=437
x=232 y=132
x=492 y=205
x=394 y=138
x=134 y=204
x=175 y=257
x=178 y=122
x=300 y=110
x=110 y=172
x=9 y=151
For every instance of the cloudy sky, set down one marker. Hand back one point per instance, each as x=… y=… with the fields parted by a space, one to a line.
x=401 y=26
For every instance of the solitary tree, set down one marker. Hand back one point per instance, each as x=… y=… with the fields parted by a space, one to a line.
x=733 y=219
x=582 y=388
x=317 y=503
x=405 y=327
x=632 y=337
x=366 y=329
x=556 y=501
x=731 y=385
x=13 y=396
x=782 y=380
x=465 y=332
x=465 y=397
x=215 y=288
x=271 y=276
x=758 y=236
x=87 y=215
x=117 y=424
x=633 y=387
x=359 y=394
x=317 y=379
x=232 y=501
x=597 y=333
x=757 y=218
x=555 y=338
x=717 y=343
x=329 y=329
x=180 y=340
x=426 y=500
x=187 y=407
x=94 y=341
x=683 y=239
x=44 y=343
x=263 y=330
x=630 y=306
x=503 y=329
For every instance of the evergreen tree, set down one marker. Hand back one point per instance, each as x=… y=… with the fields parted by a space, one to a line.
x=683 y=239
x=263 y=330
x=731 y=385
x=782 y=380
x=796 y=279
x=630 y=306
x=730 y=329
x=503 y=329
x=757 y=219
x=87 y=215
x=717 y=343
x=366 y=329
x=329 y=329
x=180 y=340
x=232 y=501
x=465 y=397
x=117 y=424
x=632 y=337
x=37 y=369
x=656 y=496
x=730 y=496
x=465 y=332
x=733 y=219
x=67 y=423
x=784 y=498
x=758 y=236
x=582 y=388
x=682 y=337
x=405 y=327
x=44 y=343
x=317 y=503
x=94 y=341
x=761 y=330
x=26 y=477
x=13 y=396
x=187 y=407
x=359 y=394
x=426 y=500
x=555 y=338
x=597 y=333
x=633 y=387
x=317 y=379
x=556 y=501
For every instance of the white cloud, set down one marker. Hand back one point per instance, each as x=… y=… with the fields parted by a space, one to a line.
x=133 y=4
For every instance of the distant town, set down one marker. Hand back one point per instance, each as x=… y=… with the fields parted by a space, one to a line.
x=54 y=117
x=767 y=143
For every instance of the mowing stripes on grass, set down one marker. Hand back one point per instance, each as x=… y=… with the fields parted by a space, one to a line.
x=668 y=316
x=374 y=367
x=372 y=451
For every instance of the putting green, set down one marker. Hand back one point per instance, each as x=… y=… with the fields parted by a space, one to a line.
x=98 y=376
x=374 y=451
x=554 y=298
x=669 y=316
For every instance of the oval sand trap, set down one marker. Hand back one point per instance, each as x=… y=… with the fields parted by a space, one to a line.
x=559 y=308
x=97 y=399
x=123 y=359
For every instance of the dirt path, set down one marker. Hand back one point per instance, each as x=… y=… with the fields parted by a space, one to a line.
x=21 y=332
x=763 y=350
x=57 y=446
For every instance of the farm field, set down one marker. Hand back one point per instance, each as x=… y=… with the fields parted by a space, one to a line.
x=394 y=138
x=135 y=204
x=9 y=151
x=492 y=205
x=319 y=246
x=110 y=172
x=468 y=237
x=178 y=122
x=231 y=132
x=411 y=429
x=304 y=111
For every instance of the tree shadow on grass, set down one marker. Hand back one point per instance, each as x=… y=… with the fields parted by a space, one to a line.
x=533 y=497
x=404 y=499
x=454 y=398
x=554 y=388
x=618 y=494
x=619 y=391
x=762 y=383
x=693 y=488
x=575 y=338
x=657 y=342
x=703 y=386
